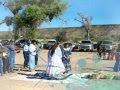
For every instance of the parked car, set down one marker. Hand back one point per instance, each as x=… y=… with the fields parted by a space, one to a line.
x=21 y=43
x=106 y=44
x=4 y=42
x=50 y=43
x=76 y=47
x=86 y=45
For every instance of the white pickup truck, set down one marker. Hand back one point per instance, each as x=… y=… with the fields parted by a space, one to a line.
x=86 y=45
x=50 y=43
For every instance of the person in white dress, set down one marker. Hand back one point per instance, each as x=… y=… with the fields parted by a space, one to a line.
x=32 y=53
x=55 y=65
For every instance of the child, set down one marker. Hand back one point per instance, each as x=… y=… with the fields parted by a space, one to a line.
x=112 y=54
x=66 y=57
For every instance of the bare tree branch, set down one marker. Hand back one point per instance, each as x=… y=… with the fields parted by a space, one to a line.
x=63 y=20
x=85 y=21
x=3 y=21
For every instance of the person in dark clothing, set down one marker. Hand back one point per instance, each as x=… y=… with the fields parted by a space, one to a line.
x=6 y=64
x=26 y=55
x=4 y=60
x=99 y=50
x=37 y=52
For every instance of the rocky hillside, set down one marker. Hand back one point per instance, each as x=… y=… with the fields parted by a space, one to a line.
x=77 y=33
x=110 y=31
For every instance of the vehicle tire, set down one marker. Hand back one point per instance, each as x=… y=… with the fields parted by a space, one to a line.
x=91 y=50
x=73 y=50
x=81 y=50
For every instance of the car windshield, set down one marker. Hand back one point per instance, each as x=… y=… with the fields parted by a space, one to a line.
x=107 y=42
x=68 y=44
x=51 y=41
x=86 y=41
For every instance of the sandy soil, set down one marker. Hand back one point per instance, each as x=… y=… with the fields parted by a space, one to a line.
x=6 y=83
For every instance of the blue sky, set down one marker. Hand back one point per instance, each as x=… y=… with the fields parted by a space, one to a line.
x=102 y=12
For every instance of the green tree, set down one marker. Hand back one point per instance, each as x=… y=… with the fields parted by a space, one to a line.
x=8 y=20
x=31 y=13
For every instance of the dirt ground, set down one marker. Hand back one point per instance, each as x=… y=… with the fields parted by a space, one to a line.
x=7 y=83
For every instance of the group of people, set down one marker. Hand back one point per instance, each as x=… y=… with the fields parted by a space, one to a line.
x=113 y=54
x=58 y=57
x=58 y=60
x=30 y=53
x=7 y=57
x=106 y=54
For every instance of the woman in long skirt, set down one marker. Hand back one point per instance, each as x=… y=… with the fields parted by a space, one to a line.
x=55 y=65
x=32 y=53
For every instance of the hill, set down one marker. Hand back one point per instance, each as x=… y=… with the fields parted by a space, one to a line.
x=110 y=31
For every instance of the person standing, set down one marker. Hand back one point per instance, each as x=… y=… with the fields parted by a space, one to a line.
x=55 y=65
x=66 y=52
x=32 y=53
x=6 y=60
x=99 y=50
x=1 y=66
x=37 y=53
x=26 y=55
x=1 y=60
x=12 y=49
x=116 y=67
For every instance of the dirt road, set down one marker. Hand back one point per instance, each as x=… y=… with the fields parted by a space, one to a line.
x=15 y=81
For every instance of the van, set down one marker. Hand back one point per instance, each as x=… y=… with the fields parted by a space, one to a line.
x=50 y=43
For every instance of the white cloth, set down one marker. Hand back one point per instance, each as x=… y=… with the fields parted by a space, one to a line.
x=4 y=54
x=32 y=61
x=55 y=65
x=25 y=48
x=32 y=49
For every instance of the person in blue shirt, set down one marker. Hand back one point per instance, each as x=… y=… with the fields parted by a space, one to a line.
x=1 y=61
x=116 y=67
x=12 y=49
